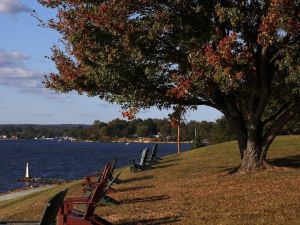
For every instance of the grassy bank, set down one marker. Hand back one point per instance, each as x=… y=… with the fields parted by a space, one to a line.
x=194 y=189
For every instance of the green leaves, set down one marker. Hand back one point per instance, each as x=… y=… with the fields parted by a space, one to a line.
x=128 y=51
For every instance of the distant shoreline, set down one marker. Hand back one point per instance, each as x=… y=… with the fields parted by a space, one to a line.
x=130 y=142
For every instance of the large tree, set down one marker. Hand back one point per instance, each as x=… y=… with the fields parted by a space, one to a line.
x=240 y=57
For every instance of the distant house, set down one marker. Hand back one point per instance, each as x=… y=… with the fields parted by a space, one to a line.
x=155 y=135
x=206 y=141
x=14 y=137
x=3 y=137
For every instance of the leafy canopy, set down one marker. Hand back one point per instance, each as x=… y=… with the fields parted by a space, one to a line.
x=231 y=55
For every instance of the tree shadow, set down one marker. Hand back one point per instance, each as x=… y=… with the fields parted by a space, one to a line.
x=134 y=188
x=289 y=161
x=146 y=199
x=137 y=179
x=156 y=221
x=229 y=170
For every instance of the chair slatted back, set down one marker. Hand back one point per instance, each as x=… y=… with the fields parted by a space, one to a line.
x=153 y=154
x=98 y=192
x=144 y=156
x=51 y=211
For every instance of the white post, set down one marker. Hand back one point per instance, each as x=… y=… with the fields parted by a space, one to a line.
x=27 y=171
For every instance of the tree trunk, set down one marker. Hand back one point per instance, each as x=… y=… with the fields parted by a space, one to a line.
x=242 y=142
x=253 y=159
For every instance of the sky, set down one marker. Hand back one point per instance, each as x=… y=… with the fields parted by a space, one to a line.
x=24 y=100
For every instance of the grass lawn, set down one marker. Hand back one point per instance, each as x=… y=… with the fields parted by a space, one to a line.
x=194 y=189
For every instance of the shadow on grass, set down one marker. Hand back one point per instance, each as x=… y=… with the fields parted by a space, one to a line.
x=146 y=199
x=11 y=222
x=155 y=221
x=164 y=166
x=134 y=188
x=289 y=161
x=229 y=170
x=167 y=161
x=137 y=179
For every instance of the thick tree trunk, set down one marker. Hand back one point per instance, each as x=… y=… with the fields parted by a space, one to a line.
x=254 y=158
x=251 y=161
x=242 y=142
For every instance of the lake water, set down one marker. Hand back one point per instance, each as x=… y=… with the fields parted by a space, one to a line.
x=66 y=160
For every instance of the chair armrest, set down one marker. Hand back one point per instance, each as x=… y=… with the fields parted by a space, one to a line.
x=73 y=200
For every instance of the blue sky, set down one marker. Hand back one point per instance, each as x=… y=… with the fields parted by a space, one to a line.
x=23 y=47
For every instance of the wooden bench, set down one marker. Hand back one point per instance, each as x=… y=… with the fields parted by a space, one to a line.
x=50 y=212
x=71 y=212
x=134 y=167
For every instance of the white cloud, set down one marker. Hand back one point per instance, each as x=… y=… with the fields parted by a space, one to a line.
x=16 y=72
x=12 y=7
x=13 y=72
x=9 y=58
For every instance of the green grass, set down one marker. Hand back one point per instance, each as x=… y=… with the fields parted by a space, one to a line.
x=195 y=189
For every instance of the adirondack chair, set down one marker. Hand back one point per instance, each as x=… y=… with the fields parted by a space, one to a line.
x=115 y=179
x=154 y=156
x=90 y=186
x=69 y=215
x=134 y=167
x=105 y=199
x=50 y=213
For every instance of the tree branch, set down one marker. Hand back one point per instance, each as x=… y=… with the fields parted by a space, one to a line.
x=279 y=123
x=264 y=86
x=272 y=117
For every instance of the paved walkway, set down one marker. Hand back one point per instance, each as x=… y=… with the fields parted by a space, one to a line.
x=10 y=196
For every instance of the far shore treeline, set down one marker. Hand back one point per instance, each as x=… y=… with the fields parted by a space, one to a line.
x=118 y=130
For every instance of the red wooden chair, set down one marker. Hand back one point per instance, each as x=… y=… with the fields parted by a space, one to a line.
x=69 y=215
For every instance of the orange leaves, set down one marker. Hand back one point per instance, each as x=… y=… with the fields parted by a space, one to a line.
x=69 y=71
x=178 y=115
x=130 y=114
x=181 y=87
x=240 y=75
x=279 y=21
x=226 y=62
x=222 y=53
x=211 y=56
x=225 y=46
x=103 y=8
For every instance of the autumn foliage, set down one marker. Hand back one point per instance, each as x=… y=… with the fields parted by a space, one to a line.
x=240 y=57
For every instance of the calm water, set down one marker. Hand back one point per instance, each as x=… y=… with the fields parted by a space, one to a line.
x=67 y=160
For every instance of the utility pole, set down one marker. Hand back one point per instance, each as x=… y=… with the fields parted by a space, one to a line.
x=178 y=141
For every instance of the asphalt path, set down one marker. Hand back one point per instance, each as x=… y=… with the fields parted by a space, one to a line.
x=18 y=194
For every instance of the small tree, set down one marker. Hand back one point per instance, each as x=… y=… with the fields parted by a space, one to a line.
x=240 y=57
